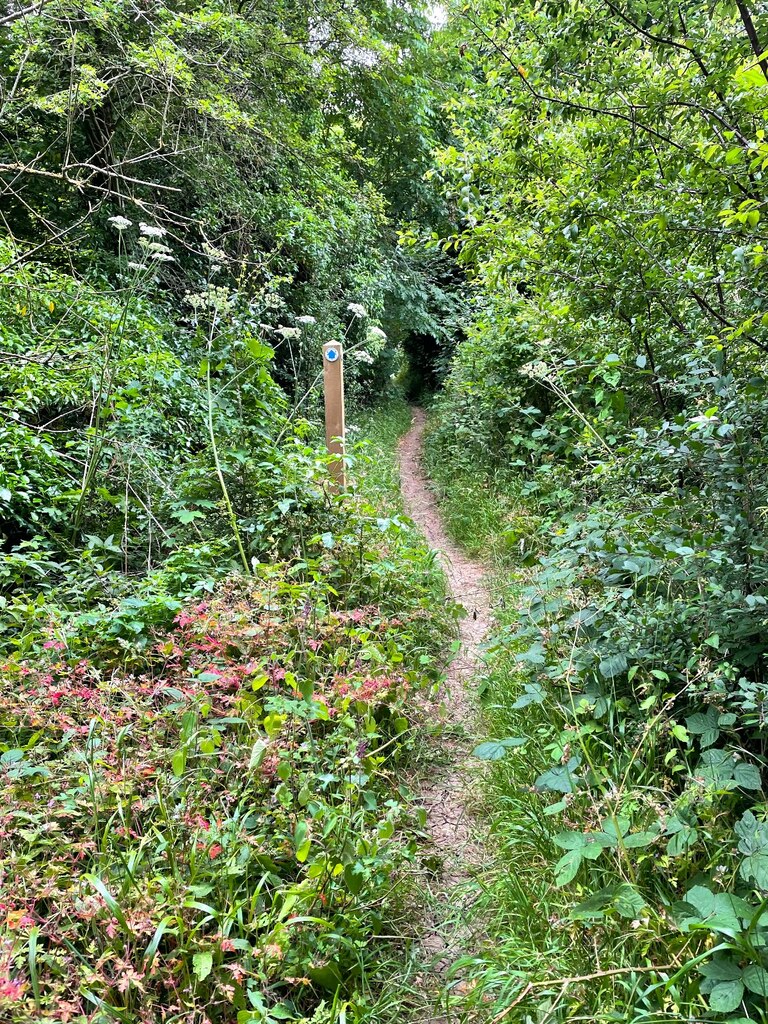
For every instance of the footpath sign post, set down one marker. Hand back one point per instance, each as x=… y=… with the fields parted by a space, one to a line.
x=333 y=386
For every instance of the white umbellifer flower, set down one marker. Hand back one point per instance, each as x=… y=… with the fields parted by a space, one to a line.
x=357 y=310
x=376 y=332
x=162 y=257
x=289 y=332
x=266 y=327
x=120 y=223
x=151 y=231
x=306 y=320
x=534 y=370
x=362 y=356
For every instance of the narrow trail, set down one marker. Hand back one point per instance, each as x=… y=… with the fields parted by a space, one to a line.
x=448 y=930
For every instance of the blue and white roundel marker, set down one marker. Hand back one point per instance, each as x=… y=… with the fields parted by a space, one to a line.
x=332 y=354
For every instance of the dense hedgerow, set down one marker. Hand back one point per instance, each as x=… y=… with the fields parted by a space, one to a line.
x=602 y=435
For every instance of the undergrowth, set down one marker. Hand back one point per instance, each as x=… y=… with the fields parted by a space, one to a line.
x=204 y=818
x=625 y=758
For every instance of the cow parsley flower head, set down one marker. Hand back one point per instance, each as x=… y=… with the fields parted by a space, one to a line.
x=151 y=230
x=362 y=356
x=306 y=319
x=376 y=332
x=120 y=223
x=289 y=332
x=356 y=309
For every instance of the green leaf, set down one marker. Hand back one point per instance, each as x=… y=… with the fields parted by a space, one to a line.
x=534 y=693
x=628 y=901
x=560 y=779
x=721 y=968
x=494 y=750
x=354 y=876
x=637 y=840
x=726 y=996
x=746 y=776
x=567 y=867
x=612 y=666
x=202 y=964
x=12 y=756
x=755 y=869
x=756 y=979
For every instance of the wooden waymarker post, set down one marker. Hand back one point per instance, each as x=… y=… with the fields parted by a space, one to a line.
x=333 y=386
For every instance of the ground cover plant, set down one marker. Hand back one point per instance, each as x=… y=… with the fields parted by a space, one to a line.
x=211 y=825
x=600 y=440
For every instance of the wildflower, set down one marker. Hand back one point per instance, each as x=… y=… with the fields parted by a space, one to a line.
x=162 y=256
x=356 y=309
x=289 y=332
x=306 y=320
x=215 y=851
x=151 y=231
x=133 y=265
x=376 y=332
x=535 y=369
x=11 y=991
x=363 y=357
x=120 y=223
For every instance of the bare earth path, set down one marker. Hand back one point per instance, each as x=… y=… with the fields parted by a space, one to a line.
x=448 y=928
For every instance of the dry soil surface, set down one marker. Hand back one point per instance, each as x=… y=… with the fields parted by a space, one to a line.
x=448 y=930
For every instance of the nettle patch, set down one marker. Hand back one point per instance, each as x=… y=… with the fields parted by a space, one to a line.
x=216 y=834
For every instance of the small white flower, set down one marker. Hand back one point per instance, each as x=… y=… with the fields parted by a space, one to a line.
x=162 y=257
x=120 y=223
x=151 y=231
x=376 y=332
x=362 y=356
x=266 y=327
x=535 y=369
x=306 y=320
x=357 y=310
x=132 y=265
x=289 y=332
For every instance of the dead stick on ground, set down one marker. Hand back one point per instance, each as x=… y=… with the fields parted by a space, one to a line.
x=565 y=982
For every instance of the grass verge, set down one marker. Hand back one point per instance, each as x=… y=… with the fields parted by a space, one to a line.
x=618 y=892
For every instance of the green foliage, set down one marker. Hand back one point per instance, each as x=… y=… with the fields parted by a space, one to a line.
x=210 y=822
x=601 y=435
